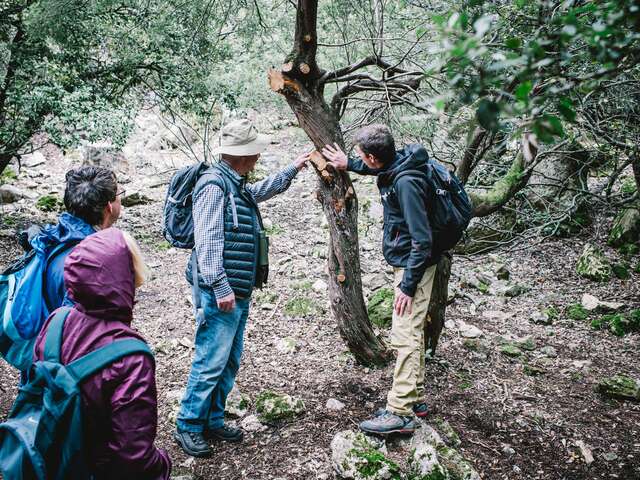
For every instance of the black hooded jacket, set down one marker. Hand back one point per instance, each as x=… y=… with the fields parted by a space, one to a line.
x=407 y=240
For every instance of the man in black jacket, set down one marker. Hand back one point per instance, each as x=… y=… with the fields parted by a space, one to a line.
x=408 y=247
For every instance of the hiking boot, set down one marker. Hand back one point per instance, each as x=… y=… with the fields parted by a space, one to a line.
x=193 y=443
x=387 y=423
x=225 y=433
x=419 y=409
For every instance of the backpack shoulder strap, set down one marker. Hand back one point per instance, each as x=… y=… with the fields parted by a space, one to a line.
x=413 y=173
x=53 y=340
x=56 y=252
x=100 y=358
x=211 y=176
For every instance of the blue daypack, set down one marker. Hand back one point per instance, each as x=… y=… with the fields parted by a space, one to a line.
x=43 y=436
x=449 y=207
x=24 y=305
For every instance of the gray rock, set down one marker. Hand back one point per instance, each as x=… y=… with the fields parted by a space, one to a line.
x=620 y=387
x=514 y=290
x=273 y=406
x=34 y=159
x=423 y=460
x=11 y=194
x=510 y=350
x=626 y=227
x=252 y=424
x=591 y=303
x=549 y=351
x=360 y=457
x=540 y=318
x=593 y=265
x=136 y=198
x=495 y=315
x=468 y=331
x=334 y=405
x=286 y=345
x=320 y=286
x=237 y=403
x=502 y=272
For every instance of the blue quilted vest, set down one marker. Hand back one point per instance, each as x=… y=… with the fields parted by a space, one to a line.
x=241 y=230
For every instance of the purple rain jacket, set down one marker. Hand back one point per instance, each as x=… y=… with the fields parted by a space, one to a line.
x=120 y=402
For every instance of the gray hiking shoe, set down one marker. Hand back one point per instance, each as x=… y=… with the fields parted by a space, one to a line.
x=387 y=423
x=420 y=410
x=225 y=433
x=192 y=443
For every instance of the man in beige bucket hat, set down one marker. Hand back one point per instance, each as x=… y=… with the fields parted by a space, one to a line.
x=232 y=259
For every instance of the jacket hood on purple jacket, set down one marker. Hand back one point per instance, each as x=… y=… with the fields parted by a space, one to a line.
x=120 y=401
x=99 y=277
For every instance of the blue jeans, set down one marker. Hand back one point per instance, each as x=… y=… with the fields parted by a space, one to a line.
x=218 y=348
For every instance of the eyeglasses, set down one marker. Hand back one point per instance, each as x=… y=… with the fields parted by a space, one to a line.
x=121 y=192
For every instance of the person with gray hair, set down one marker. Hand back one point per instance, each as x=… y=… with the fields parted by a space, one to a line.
x=407 y=246
x=229 y=260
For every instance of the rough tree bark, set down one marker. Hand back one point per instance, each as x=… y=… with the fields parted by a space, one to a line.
x=298 y=82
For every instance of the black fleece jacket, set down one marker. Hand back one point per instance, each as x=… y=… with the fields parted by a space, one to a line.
x=407 y=240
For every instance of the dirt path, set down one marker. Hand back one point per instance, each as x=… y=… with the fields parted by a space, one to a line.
x=512 y=425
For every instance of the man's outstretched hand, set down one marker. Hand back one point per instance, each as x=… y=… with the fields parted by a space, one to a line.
x=402 y=303
x=337 y=158
x=301 y=161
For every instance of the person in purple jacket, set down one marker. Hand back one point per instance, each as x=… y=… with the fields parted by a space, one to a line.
x=120 y=401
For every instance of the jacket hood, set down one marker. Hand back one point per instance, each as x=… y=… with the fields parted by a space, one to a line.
x=99 y=276
x=411 y=157
x=68 y=229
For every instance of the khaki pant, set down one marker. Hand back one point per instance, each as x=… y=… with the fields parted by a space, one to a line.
x=407 y=337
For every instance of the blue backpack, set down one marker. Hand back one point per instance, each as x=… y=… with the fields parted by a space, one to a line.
x=24 y=305
x=43 y=437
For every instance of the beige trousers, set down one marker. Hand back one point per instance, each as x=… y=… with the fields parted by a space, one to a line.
x=407 y=337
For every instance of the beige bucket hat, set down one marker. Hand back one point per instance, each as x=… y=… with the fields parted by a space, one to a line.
x=240 y=138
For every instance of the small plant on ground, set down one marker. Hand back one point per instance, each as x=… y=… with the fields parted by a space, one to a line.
x=618 y=323
x=304 y=286
x=272 y=406
x=577 y=312
x=7 y=176
x=274 y=230
x=266 y=297
x=373 y=461
x=299 y=307
x=621 y=270
x=50 y=203
x=552 y=312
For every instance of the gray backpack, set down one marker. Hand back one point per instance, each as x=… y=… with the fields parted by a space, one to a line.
x=178 y=214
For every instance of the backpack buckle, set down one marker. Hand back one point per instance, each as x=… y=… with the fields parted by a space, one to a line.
x=441 y=191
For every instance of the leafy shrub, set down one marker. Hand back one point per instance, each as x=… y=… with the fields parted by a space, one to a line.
x=50 y=203
x=577 y=312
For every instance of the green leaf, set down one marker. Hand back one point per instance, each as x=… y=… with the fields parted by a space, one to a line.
x=523 y=90
x=556 y=125
x=488 y=115
x=565 y=107
x=513 y=43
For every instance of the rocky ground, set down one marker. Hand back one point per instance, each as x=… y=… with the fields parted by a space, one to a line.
x=515 y=375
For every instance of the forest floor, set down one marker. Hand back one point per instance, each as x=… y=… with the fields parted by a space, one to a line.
x=512 y=424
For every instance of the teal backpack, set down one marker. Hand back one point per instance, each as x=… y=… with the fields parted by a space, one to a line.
x=43 y=436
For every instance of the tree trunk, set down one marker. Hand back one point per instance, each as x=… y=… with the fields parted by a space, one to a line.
x=299 y=82
x=340 y=205
x=4 y=161
x=438 y=305
x=636 y=170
